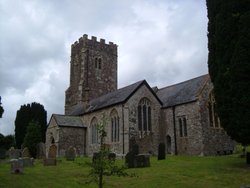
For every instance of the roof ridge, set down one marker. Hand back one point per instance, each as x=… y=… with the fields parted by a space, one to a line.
x=182 y=82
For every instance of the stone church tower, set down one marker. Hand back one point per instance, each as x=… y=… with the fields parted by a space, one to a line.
x=93 y=71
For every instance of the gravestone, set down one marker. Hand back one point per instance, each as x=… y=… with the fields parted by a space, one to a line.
x=14 y=153
x=70 y=154
x=142 y=160
x=51 y=160
x=248 y=158
x=16 y=166
x=40 y=152
x=27 y=162
x=25 y=152
x=52 y=151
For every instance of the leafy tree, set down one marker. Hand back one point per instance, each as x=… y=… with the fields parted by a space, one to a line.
x=229 y=64
x=25 y=115
x=1 y=109
x=102 y=165
x=32 y=137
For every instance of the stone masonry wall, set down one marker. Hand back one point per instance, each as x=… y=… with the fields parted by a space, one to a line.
x=147 y=143
x=192 y=143
x=72 y=136
x=215 y=139
x=128 y=125
x=116 y=147
x=52 y=132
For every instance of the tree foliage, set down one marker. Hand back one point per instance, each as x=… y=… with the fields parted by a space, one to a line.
x=32 y=137
x=229 y=64
x=26 y=114
x=1 y=109
x=6 y=142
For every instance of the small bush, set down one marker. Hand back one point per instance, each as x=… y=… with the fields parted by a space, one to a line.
x=112 y=156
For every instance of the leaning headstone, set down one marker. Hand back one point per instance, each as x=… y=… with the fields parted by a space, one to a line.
x=51 y=160
x=40 y=151
x=16 y=166
x=25 y=152
x=70 y=154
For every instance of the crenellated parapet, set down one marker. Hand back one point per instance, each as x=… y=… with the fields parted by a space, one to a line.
x=93 y=43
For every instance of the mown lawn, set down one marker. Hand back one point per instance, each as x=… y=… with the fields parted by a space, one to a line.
x=175 y=171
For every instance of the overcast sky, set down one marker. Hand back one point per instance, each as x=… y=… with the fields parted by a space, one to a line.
x=163 y=41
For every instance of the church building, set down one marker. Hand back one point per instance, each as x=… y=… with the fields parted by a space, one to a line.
x=181 y=116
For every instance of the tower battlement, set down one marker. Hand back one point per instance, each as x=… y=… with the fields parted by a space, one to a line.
x=84 y=41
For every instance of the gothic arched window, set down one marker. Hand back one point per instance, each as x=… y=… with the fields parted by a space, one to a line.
x=144 y=117
x=214 y=120
x=183 y=126
x=94 y=131
x=115 y=126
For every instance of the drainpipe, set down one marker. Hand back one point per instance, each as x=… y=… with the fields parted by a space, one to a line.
x=175 y=142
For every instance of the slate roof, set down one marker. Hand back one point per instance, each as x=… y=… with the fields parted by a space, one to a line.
x=113 y=98
x=68 y=121
x=181 y=93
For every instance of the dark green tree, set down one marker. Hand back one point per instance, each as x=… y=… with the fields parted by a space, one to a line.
x=1 y=109
x=229 y=64
x=32 y=137
x=7 y=141
x=26 y=114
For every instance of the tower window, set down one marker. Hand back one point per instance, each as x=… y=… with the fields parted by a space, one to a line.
x=96 y=62
x=100 y=63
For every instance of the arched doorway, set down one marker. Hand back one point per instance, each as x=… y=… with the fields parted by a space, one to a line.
x=168 y=141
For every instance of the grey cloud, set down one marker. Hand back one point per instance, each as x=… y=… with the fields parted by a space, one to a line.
x=161 y=41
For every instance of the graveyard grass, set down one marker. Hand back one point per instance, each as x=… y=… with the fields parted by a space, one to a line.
x=175 y=171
